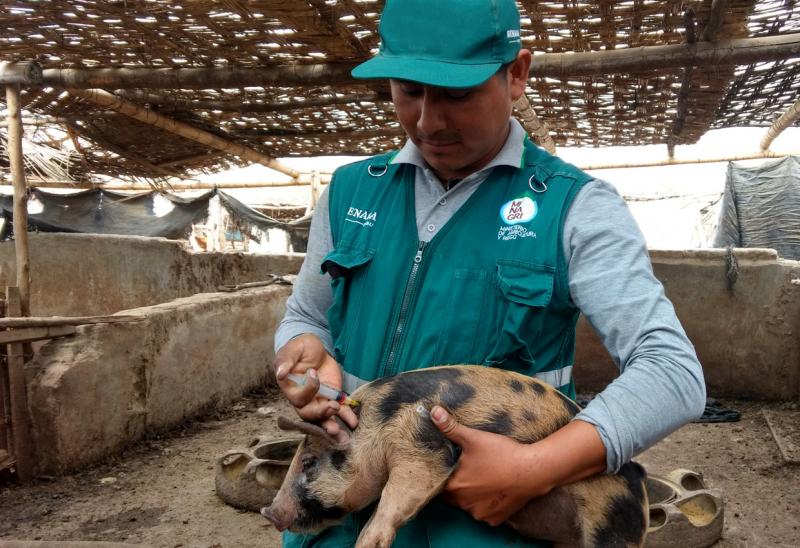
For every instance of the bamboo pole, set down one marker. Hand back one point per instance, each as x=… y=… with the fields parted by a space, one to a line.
x=199 y=78
x=787 y=119
x=16 y=162
x=233 y=105
x=146 y=116
x=316 y=190
x=741 y=51
x=324 y=179
x=674 y=162
x=18 y=388
x=20 y=73
x=534 y=125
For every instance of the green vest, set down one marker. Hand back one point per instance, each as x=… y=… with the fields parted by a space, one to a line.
x=490 y=288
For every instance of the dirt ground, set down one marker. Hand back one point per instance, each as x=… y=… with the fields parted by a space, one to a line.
x=161 y=491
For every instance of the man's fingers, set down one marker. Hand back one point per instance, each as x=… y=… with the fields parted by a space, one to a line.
x=286 y=358
x=349 y=417
x=318 y=410
x=451 y=429
x=300 y=396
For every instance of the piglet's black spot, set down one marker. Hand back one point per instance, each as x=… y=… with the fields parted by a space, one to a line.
x=428 y=437
x=515 y=385
x=499 y=423
x=455 y=394
x=537 y=388
x=314 y=511
x=634 y=475
x=338 y=458
x=625 y=523
x=414 y=386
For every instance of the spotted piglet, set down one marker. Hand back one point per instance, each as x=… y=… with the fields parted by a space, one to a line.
x=396 y=440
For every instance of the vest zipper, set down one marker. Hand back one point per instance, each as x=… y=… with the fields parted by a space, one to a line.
x=411 y=286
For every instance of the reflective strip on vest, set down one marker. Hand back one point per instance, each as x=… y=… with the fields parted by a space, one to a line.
x=557 y=377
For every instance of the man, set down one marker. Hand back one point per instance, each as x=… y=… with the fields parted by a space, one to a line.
x=410 y=265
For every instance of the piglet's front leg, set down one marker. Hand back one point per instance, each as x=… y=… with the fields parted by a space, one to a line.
x=409 y=488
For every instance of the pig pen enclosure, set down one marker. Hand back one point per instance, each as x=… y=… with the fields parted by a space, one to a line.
x=128 y=419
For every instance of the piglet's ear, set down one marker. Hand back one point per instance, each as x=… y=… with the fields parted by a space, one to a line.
x=309 y=429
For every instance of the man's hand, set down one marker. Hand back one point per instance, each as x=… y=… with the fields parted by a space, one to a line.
x=497 y=476
x=305 y=355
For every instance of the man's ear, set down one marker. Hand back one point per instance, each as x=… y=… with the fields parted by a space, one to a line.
x=518 y=74
x=311 y=430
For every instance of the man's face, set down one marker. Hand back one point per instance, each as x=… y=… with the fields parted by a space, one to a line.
x=458 y=131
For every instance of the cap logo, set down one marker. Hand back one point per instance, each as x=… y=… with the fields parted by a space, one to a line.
x=512 y=35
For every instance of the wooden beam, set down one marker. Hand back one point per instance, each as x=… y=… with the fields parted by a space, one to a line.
x=19 y=73
x=60 y=321
x=17 y=165
x=533 y=124
x=742 y=51
x=146 y=116
x=244 y=106
x=325 y=179
x=199 y=78
x=710 y=31
x=18 y=388
x=682 y=161
x=30 y=334
x=786 y=119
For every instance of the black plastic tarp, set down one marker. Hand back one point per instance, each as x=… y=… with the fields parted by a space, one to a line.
x=761 y=207
x=100 y=211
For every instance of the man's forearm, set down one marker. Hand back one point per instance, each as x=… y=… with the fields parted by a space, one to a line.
x=569 y=454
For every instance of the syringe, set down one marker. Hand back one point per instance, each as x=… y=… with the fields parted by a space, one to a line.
x=339 y=396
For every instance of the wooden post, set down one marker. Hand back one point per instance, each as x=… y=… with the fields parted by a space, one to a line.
x=316 y=189
x=18 y=388
x=20 y=197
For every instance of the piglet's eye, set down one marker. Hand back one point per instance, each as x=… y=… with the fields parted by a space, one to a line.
x=308 y=462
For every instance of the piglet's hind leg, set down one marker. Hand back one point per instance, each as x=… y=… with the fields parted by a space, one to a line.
x=409 y=488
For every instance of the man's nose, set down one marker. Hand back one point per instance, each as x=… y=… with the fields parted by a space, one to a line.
x=432 y=114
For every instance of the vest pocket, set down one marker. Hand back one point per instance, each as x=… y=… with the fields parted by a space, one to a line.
x=347 y=268
x=525 y=291
x=462 y=338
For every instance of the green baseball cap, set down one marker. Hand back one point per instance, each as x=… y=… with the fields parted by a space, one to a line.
x=446 y=43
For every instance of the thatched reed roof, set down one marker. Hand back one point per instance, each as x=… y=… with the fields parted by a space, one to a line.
x=340 y=116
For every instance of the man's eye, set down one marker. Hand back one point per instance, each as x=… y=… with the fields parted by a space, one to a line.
x=412 y=91
x=458 y=94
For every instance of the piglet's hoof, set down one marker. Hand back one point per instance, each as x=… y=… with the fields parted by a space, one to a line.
x=249 y=478
x=683 y=512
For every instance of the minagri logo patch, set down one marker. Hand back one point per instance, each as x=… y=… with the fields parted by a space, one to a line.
x=512 y=35
x=519 y=210
x=361 y=216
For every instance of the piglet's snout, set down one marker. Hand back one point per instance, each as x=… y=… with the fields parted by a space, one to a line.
x=281 y=520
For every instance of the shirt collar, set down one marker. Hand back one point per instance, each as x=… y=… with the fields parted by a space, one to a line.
x=509 y=155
